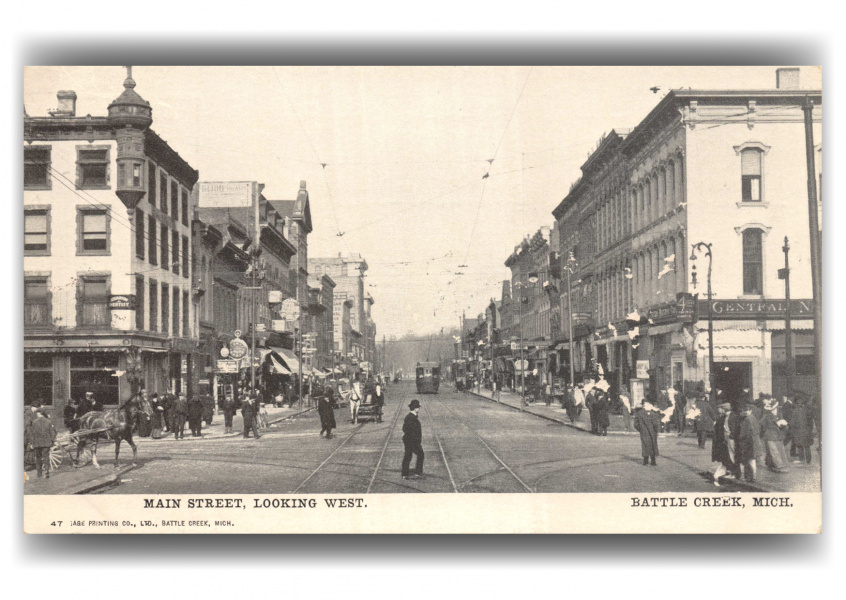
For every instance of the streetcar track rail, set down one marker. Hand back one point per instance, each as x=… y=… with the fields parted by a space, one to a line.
x=328 y=458
x=384 y=449
x=485 y=444
x=441 y=448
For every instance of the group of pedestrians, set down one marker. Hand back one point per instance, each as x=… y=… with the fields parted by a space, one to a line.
x=172 y=411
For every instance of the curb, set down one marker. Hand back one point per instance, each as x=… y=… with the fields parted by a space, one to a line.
x=565 y=423
x=96 y=484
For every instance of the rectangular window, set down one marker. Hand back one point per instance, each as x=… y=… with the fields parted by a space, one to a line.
x=186 y=266
x=92 y=167
x=186 y=322
x=752 y=262
x=185 y=207
x=176 y=306
x=153 y=254
x=174 y=200
x=163 y=191
x=139 y=302
x=750 y=166
x=93 y=301
x=95 y=373
x=176 y=252
x=165 y=309
x=37 y=302
x=37 y=232
x=151 y=182
x=154 y=305
x=37 y=168
x=165 y=241
x=140 y=242
x=94 y=227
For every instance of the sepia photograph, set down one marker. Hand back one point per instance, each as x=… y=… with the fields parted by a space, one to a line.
x=280 y=299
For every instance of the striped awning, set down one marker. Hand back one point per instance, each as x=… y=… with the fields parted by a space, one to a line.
x=278 y=368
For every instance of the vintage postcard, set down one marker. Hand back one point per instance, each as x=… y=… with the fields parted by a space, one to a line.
x=422 y=299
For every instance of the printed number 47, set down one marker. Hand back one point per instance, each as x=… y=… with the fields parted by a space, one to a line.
x=56 y=524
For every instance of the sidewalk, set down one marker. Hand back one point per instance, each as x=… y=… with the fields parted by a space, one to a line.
x=68 y=481
x=798 y=478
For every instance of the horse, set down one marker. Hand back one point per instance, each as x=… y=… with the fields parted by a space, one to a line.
x=114 y=424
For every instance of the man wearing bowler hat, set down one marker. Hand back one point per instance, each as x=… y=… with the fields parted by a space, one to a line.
x=412 y=438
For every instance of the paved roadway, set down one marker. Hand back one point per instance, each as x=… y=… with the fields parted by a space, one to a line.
x=471 y=445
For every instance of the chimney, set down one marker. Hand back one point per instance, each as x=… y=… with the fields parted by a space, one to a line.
x=67 y=104
x=787 y=79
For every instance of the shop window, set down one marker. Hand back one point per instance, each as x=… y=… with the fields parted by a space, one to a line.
x=93 y=301
x=165 y=309
x=140 y=242
x=94 y=227
x=165 y=241
x=92 y=167
x=37 y=231
x=154 y=305
x=152 y=241
x=37 y=168
x=151 y=182
x=95 y=373
x=37 y=302
x=38 y=379
x=139 y=302
x=753 y=262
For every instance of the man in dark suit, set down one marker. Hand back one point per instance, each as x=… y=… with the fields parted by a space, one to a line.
x=70 y=415
x=413 y=439
x=180 y=413
x=249 y=411
x=89 y=404
x=42 y=437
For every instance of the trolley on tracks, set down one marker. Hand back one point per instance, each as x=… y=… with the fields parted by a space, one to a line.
x=428 y=377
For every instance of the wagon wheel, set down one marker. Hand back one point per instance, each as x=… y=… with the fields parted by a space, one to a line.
x=57 y=456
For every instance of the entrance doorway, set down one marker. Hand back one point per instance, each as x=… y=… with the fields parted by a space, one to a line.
x=732 y=378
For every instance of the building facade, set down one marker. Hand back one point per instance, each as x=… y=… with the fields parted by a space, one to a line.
x=726 y=168
x=108 y=206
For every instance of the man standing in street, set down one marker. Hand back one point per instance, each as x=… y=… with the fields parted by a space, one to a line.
x=180 y=412
x=413 y=439
x=42 y=437
x=648 y=423
x=229 y=411
x=249 y=411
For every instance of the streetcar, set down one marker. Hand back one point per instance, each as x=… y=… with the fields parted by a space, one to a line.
x=428 y=377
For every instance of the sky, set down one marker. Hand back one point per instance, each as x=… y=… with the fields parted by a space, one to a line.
x=395 y=158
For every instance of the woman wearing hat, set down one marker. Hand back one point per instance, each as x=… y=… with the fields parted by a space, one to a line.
x=772 y=436
x=413 y=439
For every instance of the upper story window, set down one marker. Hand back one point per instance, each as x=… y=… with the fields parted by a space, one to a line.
x=151 y=182
x=37 y=168
x=174 y=200
x=37 y=231
x=140 y=240
x=92 y=167
x=185 y=207
x=37 y=302
x=152 y=245
x=93 y=301
x=753 y=262
x=163 y=191
x=94 y=229
x=750 y=168
x=165 y=241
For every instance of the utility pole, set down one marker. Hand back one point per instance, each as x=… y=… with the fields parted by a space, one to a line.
x=788 y=332
x=570 y=261
x=816 y=250
x=254 y=307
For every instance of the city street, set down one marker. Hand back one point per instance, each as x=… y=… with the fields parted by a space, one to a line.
x=472 y=445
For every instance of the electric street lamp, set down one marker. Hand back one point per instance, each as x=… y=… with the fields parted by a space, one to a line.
x=707 y=249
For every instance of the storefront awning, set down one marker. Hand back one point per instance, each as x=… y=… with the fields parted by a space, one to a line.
x=278 y=368
x=289 y=358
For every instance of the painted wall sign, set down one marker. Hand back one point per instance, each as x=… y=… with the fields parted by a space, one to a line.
x=226 y=194
x=756 y=309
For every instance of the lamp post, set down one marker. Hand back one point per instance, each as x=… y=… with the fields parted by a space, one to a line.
x=707 y=249
x=571 y=262
x=788 y=333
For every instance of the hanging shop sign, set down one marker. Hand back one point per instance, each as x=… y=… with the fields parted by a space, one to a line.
x=757 y=309
x=682 y=310
x=642 y=369
x=227 y=366
x=122 y=302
